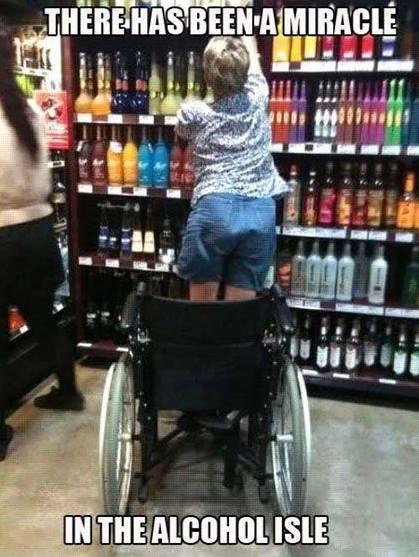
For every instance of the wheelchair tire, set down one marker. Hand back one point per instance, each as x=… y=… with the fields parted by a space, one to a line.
x=116 y=437
x=306 y=435
x=287 y=448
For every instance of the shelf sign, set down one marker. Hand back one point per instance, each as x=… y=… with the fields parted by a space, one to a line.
x=85 y=188
x=370 y=149
x=348 y=149
x=379 y=235
x=161 y=267
x=170 y=120
x=341 y=375
x=391 y=150
x=84 y=118
x=114 y=190
x=322 y=148
x=413 y=150
x=115 y=118
x=141 y=192
x=386 y=381
x=174 y=194
x=146 y=119
x=297 y=148
x=310 y=372
x=140 y=265
x=113 y=263
x=406 y=237
x=54 y=107
x=85 y=261
x=359 y=234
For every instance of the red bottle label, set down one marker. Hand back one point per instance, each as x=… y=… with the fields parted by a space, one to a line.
x=359 y=210
x=327 y=206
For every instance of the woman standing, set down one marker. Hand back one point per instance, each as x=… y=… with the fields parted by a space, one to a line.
x=30 y=261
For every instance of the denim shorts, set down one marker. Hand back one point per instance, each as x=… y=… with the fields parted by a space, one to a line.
x=229 y=238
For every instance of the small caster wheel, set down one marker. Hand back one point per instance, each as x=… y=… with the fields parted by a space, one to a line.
x=263 y=494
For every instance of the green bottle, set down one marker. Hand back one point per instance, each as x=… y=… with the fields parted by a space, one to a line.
x=390 y=113
x=410 y=293
x=398 y=107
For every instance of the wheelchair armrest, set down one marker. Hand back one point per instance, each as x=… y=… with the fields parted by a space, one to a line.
x=285 y=317
x=130 y=312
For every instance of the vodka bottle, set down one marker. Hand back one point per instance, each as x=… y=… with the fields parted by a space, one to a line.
x=298 y=271
x=345 y=277
x=328 y=274
x=378 y=278
x=313 y=272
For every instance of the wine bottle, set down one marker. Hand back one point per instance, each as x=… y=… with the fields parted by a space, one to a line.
x=406 y=206
x=398 y=106
x=305 y=341
x=387 y=348
x=390 y=113
x=352 y=348
x=414 y=357
x=376 y=198
x=190 y=90
x=358 y=116
x=149 y=242
x=160 y=162
x=342 y=108
x=360 y=199
x=323 y=346
x=400 y=352
x=410 y=291
x=130 y=160
x=84 y=161
x=100 y=104
x=293 y=129
x=302 y=107
x=310 y=202
x=292 y=202
x=99 y=174
x=176 y=164
x=375 y=106
x=391 y=197
x=370 y=345
x=327 y=109
x=286 y=113
x=345 y=197
x=366 y=115
x=281 y=44
x=114 y=160
x=116 y=104
x=336 y=348
x=126 y=231
x=278 y=123
x=327 y=198
x=378 y=277
x=155 y=87
x=145 y=161
x=169 y=104
x=103 y=237
x=137 y=233
x=83 y=103
x=382 y=114
x=318 y=114
x=166 y=244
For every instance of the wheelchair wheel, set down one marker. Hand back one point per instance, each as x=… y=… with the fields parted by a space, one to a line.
x=288 y=447
x=306 y=434
x=116 y=437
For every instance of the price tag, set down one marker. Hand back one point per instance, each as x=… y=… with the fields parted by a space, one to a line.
x=146 y=119
x=359 y=308
x=346 y=149
x=85 y=188
x=113 y=263
x=341 y=375
x=161 y=267
x=370 y=149
x=306 y=231
x=122 y=349
x=115 y=118
x=322 y=148
x=141 y=192
x=140 y=265
x=170 y=120
x=85 y=261
x=406 y=237
x=391 y=150
x=277 y=147
x=84 y=118
x=405 y=313
x=291 y=230
x=310 y=372
x=311 y=304
x=84 y=345
x=114 y=190
x=348 y=66
x=23 y=329
x=330 y=232
x=295 y=302
x=175 y=269
x=412 y=150
x=385 y=381
x=359 y=234
x=280 y=66
x=317 y=66
x=297 y=148
x=395 y=66
x=174 y=194
x=379 y=235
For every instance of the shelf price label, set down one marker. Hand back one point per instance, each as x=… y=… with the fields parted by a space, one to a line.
x=379 y=235
x=359 y=234
x=140 y=265
x=173 y=194
x=407 y=313
x=322 y=148
x=406 y=237
x=112 y=263
x=115 y=118
x=330 y=232
x=23 y=329
x=170 y=120
x=297 y=148
x=370 y=149
x=311 y=304
x=83 y=260
x=146 y=119
x=84 y=118
x=161 y=267
x=114 y=190
x=391 y=150
x=280 y=66
x=310 y=372
x=141 y=192
x=348 y=149
x=85 y=188
x=395 y=66
x=277 y=147
x=341 y=375
x=386 y=381
x=350 y=66
x=359 y=308
x=413 y=150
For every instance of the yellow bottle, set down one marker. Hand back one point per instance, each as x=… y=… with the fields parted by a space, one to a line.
x=101 y=105
x=406 y=207
x=154 y=87
x=83 y=103
x=281 y=45
x=296 y=48
x=130 y=160
x=416 y=223
x=169 y=103
x=114 y=160
x=190 y=91
x=310 y=48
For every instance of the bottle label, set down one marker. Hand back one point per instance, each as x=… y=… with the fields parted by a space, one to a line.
x=406 y=214
x=302 y=119
x=290 y=213
x=366 y=118
x=359 y=212
x=358 y=115
x=335 y=355
x=327 y=206
x=322 y=356
x=130 y=172
x=175 y=172
x=386 y=355
x=279 y=117
x=414 y=364
x=126 y=240
x=351 y=357
x=370 y=353
x=149 y=246
x=310 y=210
x=293 y=117
x=137 y=241
x=373 y=117
x=103 y=237
x=390 y=212
x=350 y=115
x=399 y=364
x=305 y=349
x=99 y=170
x=345 y=207
x=375 y=208
x=341 y=116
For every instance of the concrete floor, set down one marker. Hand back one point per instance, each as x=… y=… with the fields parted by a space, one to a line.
x=364 y=476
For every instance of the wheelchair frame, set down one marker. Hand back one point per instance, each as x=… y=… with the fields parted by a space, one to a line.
x=271 y=439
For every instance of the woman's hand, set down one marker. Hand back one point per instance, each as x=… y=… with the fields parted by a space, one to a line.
x=238 y=3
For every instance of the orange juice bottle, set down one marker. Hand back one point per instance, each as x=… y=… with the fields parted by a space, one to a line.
x=406 y=206
x=114 y=160
x=83 y=103
x=281 y=44
x=101 y=105
x=130 y=160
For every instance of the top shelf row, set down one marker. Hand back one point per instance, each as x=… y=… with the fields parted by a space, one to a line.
x=345 y=66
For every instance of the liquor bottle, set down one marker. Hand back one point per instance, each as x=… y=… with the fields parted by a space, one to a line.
x=277 y=134
x=176 y=164
x=410 y=291
x=298 y=271
x=327 y=109
x=313 y=272
x=293 y=128
x=114 y=160
x=309 y=217
x=294 y=342
x=370 y=345
x=114 y=230
x=145 y=161
x=407 y=114
x=350 y=114
x=103 y=236
x=361 y=273
x=100 y=104
x=390 y=113
x=168 y=104
x=178 y=81
x=352 y=348
x=83 y=103
x=416 y=219
x=391 y=197
x=302 y=107
x=272 y=108
x=292 y=202
x=286 y=113
x=367 y=47
x=188 y=174
x=160 y=162
x=155 y=87
x=296 y=52
x=358 y=116
x=318 y=114
x=310 y=47
x=323 y=346
x=140 y=98
x=90 y=76
x=344 y=201
x=137 y=233
x=398 y=106
x=92 y=320
x=334 y=113
x=366 y=115
x=387 y=348
x=348 y=48
x=346 y=267
x=99 y=174
x=130 y=160
x=167 y=244
x=406 y=206
x=414 y=120
x=281 y=44
x=388 y=42
x=108 y=77
x=116 y=104
x=327 y=198
x=305 y=340
x=360 y=200
x=414 y=357
x=376 y=198
x=336 y=349
x=407 y=38
x=126 y=231
x=328 y=45
x=84 y=161
x=190 y=88
x=378 y=277
x=126 y=95
x=329 y=269
x=149 y=242
x=342 y=107
x=382 y=114
x=400 y=352
x=375 y=106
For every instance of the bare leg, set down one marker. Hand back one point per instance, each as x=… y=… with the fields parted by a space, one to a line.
x=234 y=293
x=203 y=291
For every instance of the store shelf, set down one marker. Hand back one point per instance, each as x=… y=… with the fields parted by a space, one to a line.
x=312 y=148
x=345 y=66
x=33 y=72
x=124 y=119
x=372 y=380
x=396 y=236
x=56 y=164
x=128 y=263
x=361 y=308
x=100 y=349
x=165 y=193
x=58 y=308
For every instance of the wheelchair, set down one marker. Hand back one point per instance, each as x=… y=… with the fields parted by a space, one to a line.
x=225 y=367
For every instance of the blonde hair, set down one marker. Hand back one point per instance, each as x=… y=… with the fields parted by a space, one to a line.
x=226 y=65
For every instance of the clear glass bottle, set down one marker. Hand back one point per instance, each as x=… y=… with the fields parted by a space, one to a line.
x=337 y=347
x=361 y=272
x=328 y=274
x=323 y=346
x=346 y=267
x=401 y=353
x=378 y=277
x=292 y=202
x=169 y=103
x=313 y=272
x=298 y=271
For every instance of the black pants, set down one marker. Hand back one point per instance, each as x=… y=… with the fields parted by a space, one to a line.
x=30 y=271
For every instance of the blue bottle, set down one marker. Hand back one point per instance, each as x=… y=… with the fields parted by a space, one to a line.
x=116 y=103
x=161 y=161
x=139 y=100
x=145 y=162
x=126 y=95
